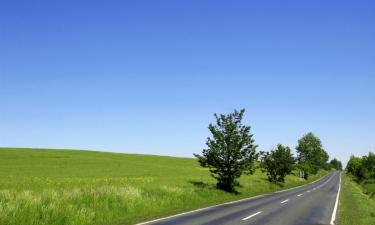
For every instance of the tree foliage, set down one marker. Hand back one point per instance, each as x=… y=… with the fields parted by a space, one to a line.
x=336 y=164
x=368 y=162
x=354 y=165
x=306 y=168
x=311 y=154
x=278 y=163
x=362 y=168
x=230 y=151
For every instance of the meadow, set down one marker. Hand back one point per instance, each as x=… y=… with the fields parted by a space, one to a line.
x=55 y=187
x=355 y=207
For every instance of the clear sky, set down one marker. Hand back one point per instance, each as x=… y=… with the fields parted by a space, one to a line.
x=147 y=76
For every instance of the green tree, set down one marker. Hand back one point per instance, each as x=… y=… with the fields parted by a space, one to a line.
x=306 y=168
x=354 y=166
x=362 y=168
x=231 y=150
x=311 y=153
x=368 y=162
x=278 y=163
x=336 y=164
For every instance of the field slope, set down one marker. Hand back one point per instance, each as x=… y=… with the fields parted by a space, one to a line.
x=41 y=186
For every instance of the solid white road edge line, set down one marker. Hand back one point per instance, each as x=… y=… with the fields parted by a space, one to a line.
x=284 y=201
x=228 y=203
x=246 y=218
x=333 y=218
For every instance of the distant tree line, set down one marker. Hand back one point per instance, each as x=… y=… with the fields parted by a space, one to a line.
x=231 y=152
x=335 y=164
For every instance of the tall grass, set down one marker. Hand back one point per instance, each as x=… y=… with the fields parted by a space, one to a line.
x=72 y=187
x=369 y=187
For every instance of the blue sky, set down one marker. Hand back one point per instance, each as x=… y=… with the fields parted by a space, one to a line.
x=147 y=76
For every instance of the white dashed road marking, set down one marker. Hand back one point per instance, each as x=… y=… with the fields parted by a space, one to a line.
x=284 y=201
x=246 y=218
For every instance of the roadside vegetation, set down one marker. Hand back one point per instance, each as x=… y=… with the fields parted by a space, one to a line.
x=85 y=187
x=362 y=170
x=357 y=199
x=355 y=207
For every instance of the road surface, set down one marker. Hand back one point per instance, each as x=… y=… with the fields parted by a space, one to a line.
x=311 y=204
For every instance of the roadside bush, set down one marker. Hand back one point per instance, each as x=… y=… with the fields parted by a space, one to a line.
x=354 y=165
x=362 y=168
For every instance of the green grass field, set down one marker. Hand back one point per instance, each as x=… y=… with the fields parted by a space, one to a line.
x=86 y=187
x=355 y=207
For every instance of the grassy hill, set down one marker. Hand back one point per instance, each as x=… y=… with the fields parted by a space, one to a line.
x=41 y=186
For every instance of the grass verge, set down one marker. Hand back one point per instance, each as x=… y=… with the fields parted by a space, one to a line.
x=355 y=207
x=71 y=187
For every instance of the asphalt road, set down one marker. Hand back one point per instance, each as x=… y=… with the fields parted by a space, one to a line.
x=307 y=205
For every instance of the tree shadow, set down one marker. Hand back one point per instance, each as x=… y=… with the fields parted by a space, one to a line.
x=201 y=184
x=278 y=183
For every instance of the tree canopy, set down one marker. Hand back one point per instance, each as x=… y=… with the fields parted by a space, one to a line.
x=336 y=164
x=278 y=163
x=230 y=151
x=311 y=155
